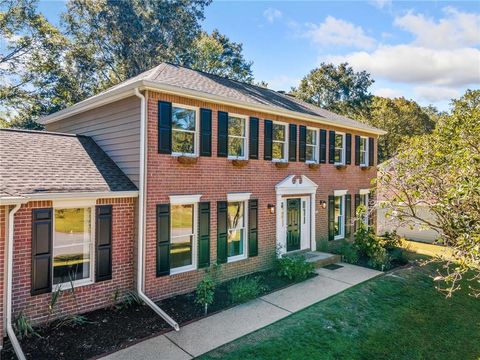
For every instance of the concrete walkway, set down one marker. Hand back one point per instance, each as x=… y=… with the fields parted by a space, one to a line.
x=209 y=333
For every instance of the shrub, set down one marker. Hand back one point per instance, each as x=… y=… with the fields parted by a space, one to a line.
x=131 y=298
x=349 y=253
x=399 y=255
x=391 y=240
x=244 y=289
x=379 y=259
x=205 y=292
x=23 y=327
x=295 y=268
x=371 y=246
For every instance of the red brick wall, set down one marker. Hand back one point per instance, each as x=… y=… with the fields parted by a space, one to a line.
x=88 y=297
x=3 y=235
x=214 y=177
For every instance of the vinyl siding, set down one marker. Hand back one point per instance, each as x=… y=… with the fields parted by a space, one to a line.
x=115 y=128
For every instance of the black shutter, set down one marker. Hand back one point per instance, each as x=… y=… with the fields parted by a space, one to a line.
x=371 y=151
x=253 y=140
x=331 y=217
x=41 y=251
x=203 y=234
x=302 y=144
x=267 y=140
x=205 y=132
x=103 y=229
x=292 y=142
x=164 y=127
x=222 y=145
x=323 y=146
x=348 y=215
x=163 y=239
x=253 y=228
x=357 y=150
x=222 y=245
x=348 y=149
x=331 y=147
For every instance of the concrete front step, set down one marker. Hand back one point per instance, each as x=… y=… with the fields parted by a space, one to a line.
x=321 y=259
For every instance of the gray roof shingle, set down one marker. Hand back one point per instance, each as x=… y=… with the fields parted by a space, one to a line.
x=33 y=162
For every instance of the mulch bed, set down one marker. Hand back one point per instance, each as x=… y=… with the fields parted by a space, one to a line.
x=112 y=329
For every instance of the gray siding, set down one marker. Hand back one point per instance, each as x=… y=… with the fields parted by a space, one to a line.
x=115 y=128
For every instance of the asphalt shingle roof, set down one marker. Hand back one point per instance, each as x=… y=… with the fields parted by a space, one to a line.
x=33 y=162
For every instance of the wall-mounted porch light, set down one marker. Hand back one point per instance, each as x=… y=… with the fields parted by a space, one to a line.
x=323 y=204
x=271 y=208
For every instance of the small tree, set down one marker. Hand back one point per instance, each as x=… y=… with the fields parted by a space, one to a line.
x=205 y=292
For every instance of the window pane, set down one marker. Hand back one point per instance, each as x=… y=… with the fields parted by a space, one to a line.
x=235 y=242
x=182 y=220
x=236 y=126
x=363 y=144
x=181 y=251
x=183 y=142
x=338 y=215
x=311 y=137
x=363 y=158
x=236 y=146
x=71 y=248
x=278 y=150
x=278 y=132
x=183 y=119
x=338 y=141
x=310 y=153
x=235 y=215
x=338 y=155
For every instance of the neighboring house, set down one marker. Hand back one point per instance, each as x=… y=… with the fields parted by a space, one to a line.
x=172 y=171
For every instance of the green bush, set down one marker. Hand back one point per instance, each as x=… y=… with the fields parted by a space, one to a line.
x=399 y=255
x=379 y=259
x=391 y=240
x=295 y=268
x=244 y=289
x=205 y=292
x=349 y=253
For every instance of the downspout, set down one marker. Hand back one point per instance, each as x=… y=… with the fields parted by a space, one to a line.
x=141 y=217
x=10 y=332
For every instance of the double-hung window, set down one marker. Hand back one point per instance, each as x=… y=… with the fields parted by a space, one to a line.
x=279 y=142
x=72 y=246
x=363 y=151
x=339 y=216
x=182 y=237
x=237 y=139
x=312 y=145
x=364 y=202
x=236 y=226
x=339 y=154
x=184 y=130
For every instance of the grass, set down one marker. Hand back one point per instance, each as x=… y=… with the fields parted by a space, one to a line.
x=397 y=316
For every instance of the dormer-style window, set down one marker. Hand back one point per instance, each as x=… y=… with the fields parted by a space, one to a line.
x=184 y=130
x=279 y=142
x=237 y=139
x=339 y=155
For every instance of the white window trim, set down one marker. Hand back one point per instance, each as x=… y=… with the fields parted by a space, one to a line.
x=340 y=192
x=285 y=148
x=366 y=151
x=364 y=191
x=196 y=147
x=246 y=144
x=316 y=149
x=342 y=225
x=235 y=197
x=76 y=204
x=231 y=259
x=184 y=199
x=343 y=148
x=193 y=266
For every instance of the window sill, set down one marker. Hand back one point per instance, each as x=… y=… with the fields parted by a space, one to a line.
x=182 y=270
x=236 y=258
x=339 y=237
x=76 y=284
x=187 y=159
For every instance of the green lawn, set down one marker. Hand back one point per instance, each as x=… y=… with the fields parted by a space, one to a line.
x=390 y=317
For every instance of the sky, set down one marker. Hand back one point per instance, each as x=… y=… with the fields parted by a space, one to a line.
x=426 y=51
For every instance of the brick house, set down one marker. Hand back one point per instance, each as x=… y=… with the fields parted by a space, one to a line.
x=167 y=173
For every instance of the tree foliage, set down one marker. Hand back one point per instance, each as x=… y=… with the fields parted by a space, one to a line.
x=441 y=171
x=401 y=118
x=336 y=88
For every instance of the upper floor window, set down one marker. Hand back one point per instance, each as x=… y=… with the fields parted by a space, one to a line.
x=312 y=145
x=237 y=139
x=339 y=155
x=184 y=130
x=363 y=151
x=279 y=141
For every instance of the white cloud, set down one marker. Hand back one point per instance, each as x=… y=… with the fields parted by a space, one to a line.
x=272 y=14
x=380 y=4
x=457 y=29
x=418 y=65
x=335 y=31
x=283 y=82
x=435 y=93
x=387 y=92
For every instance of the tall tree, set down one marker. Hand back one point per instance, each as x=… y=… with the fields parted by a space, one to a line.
x=401 y=118
x=216 y=54
x=336 y=88
x=441 y=171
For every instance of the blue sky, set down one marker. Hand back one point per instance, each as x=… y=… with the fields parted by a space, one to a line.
x=427 y=51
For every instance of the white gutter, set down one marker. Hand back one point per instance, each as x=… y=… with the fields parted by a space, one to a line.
x=10 y=332
x=141 y=217
x=130 y=89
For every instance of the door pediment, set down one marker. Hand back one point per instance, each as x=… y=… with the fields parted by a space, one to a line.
x=294 y=184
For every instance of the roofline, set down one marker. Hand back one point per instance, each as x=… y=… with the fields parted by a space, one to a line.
x=128 y=90
x=12 y=200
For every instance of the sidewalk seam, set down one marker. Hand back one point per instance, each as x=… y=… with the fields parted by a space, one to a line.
x=174 y=343
x=279 y=307
x=331 y=278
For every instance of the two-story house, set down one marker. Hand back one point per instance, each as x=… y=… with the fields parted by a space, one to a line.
x=167 y=173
